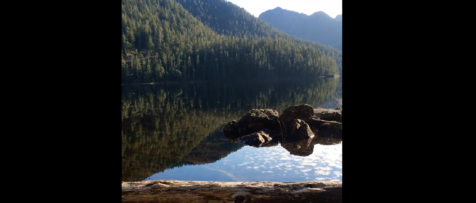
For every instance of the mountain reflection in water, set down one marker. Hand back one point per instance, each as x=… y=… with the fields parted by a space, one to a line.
x=175 y=132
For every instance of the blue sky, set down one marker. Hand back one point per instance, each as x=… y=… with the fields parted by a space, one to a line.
x=256 y=7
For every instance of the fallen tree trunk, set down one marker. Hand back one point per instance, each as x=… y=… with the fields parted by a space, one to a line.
x=210 y=192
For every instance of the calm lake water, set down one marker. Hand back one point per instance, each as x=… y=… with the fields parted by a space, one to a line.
x=174 y=132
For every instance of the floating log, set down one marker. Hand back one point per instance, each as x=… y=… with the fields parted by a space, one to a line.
x=172 y=191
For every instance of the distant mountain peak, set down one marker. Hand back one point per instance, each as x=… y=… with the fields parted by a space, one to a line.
x=338 y=17
x=320 y=14
x=318 y=27
x=279 y=10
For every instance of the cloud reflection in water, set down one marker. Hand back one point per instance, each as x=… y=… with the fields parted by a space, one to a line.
x=265 y=164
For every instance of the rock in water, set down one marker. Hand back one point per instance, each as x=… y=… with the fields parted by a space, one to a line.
x=257 y=139
x=295 y=123
x=303 y=112
x=328 y=114
x=255 y=120
x=300 y=129
x=264 y=116
x=326 y=128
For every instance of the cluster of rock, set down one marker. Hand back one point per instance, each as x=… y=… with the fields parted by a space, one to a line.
x=260 y=127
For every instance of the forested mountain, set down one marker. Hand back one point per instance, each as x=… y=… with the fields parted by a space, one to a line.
x=227 y=18
x=162 y=41
x=318 y=27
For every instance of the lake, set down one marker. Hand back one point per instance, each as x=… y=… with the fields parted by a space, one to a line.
x=175 y=132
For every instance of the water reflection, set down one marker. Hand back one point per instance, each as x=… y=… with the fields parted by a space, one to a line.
x=175 y=132
x=265 y=164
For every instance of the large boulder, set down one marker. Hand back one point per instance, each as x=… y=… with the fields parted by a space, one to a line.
x=264 y=116
x=326 y=128
x=300 y=129
x=303 y=112
x=328 y=114
x=254 y=121
x=271 y=113
x=257 y=139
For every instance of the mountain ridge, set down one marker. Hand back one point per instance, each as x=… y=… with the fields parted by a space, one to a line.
x=318 y=27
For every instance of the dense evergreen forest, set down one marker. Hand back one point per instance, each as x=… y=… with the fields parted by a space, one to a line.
x=166 y=40
x=227 y=18
x=318 y=27
x=166 y=126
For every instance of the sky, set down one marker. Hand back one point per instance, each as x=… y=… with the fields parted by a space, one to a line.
x=256 y=7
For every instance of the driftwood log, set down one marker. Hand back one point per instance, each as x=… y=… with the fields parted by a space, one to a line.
x=211 y=192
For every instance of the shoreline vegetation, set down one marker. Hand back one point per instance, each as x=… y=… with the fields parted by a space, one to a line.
x=173 y=191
